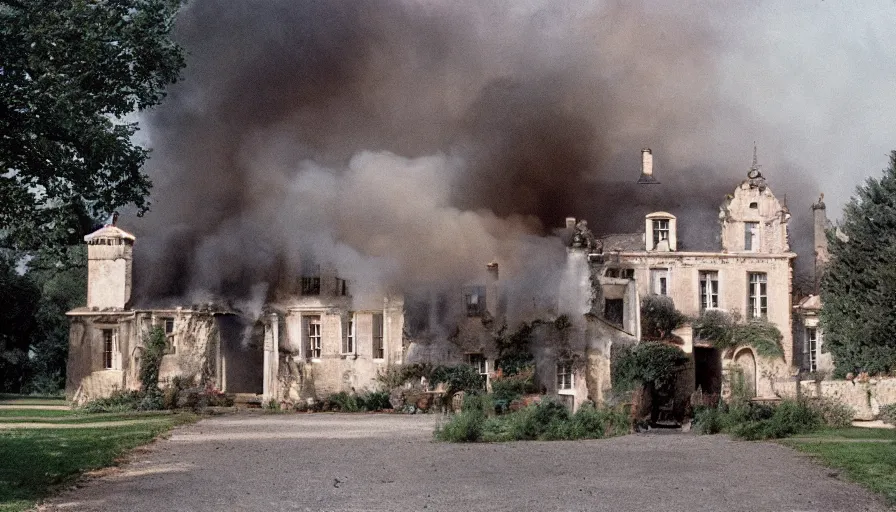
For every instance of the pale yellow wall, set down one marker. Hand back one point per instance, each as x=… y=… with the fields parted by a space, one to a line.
x=108 y=275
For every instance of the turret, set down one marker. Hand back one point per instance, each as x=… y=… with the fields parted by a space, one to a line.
x=109 y=258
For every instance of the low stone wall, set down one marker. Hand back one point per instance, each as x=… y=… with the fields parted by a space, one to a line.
x=866 y=398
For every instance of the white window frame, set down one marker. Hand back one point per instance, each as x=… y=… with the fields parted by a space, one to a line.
x=812 y=347
x=708 y=284
x=350 y=338
x=757 y=294
x=661 y=228
x=751 y=234
x=313 y=341
x=378 y=339
x=113 y=361
x=479 y=362
x=566 y=379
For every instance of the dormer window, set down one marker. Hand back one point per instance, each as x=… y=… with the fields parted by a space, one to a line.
x=660 y=232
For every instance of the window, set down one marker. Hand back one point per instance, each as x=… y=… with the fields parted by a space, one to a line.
x=310 y=285
x=758 y=305
x=812 y=348
x=754 y=206
x=659 y=281
x=379 y=350
x=613 y=311
x=564 y=376
x=627 y=273
x=168 y=326
x=751 y=236
x=474 y=299
x=312 y=330
x=108 y=348
x=479 y=362
x=709 y=290
x=341 y=287
x=348 y=342
x=660 y=231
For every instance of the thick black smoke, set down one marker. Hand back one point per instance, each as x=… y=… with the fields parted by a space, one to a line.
x=408 y=143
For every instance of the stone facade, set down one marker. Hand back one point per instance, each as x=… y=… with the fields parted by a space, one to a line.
x=749 y=275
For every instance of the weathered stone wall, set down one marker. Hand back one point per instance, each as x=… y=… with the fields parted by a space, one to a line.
x=866 y=398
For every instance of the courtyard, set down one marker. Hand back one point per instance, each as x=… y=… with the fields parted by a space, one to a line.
x=380 y=462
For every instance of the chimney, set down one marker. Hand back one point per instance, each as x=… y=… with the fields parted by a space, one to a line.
x=491 y=293
x=820 y=225
x=570 y=222
x=109 y=257
x=647 y=168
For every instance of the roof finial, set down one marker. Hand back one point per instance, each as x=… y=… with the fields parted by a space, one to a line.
x=754 y=173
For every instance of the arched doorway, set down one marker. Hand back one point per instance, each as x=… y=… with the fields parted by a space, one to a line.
x=745 y=376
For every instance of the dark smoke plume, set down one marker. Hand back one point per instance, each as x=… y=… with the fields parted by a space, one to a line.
x=407 y=144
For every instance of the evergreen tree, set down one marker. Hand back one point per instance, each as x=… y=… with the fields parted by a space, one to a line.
x=858 y=288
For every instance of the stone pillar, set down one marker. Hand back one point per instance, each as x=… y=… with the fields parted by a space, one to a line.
x=820 y=224
x=271 y=357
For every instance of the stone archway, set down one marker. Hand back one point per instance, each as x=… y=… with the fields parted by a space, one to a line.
x=745 y=364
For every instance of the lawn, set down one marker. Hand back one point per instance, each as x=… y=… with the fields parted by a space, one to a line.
x=10 y=399
x=34 y=462
x=866 y=455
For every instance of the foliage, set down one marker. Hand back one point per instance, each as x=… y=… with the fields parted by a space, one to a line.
x=726 y=331
x=751 y=420
x=509 y=387
x=118 y=401
x=19 y=302
x=71 y=71
x=461 y=377
x=36 y=462
x=858 y=288
x=547 y=420
x=151 y=360
x=887 y=414
x=514 y=354
x=350 y=402
x=394 y=376
x=648 y=362
x=659 y=317
x=33 y=327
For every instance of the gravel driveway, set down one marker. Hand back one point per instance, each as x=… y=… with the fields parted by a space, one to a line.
x=390 y=463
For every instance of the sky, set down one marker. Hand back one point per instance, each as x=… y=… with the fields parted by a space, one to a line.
x=414 y=141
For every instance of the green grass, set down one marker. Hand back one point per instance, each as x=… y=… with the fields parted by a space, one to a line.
x=871 y=463
x=10 y=399
x=76 y=417
x=35 y=462
x=7 y=412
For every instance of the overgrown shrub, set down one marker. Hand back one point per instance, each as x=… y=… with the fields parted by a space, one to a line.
x=752 y=421
x=508 y=387
x=349 y=402
x=118 y=401
x=648 y=362
x=727 y=330
x=833 y=413
x=659 y=317
x=461 y=377
x=374 y=401
x=344 y=402
x=887 y=414
x=547 y=420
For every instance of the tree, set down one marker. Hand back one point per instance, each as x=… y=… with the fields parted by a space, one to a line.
x=70 y=71
x=858 y=288
x=19 y=300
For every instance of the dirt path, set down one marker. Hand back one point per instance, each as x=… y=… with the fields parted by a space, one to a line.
x=389 y=463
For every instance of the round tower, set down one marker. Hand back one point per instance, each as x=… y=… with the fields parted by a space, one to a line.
x=109 y=256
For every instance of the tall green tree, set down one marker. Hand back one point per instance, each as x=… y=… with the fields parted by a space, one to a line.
x=858 y=289
x=70 y=72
